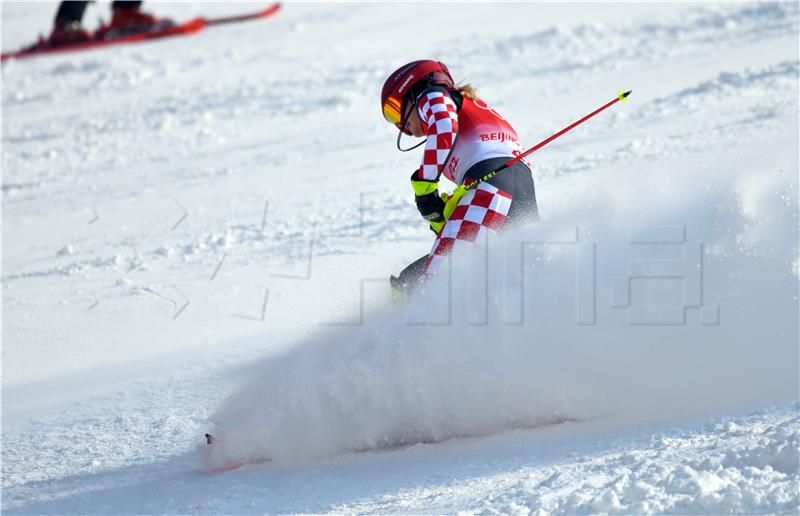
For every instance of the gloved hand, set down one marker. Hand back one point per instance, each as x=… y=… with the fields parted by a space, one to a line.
x=426 y=195
x=436 y=227
x=450 y=202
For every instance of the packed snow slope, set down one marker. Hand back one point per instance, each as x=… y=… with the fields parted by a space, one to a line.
x=197 y=234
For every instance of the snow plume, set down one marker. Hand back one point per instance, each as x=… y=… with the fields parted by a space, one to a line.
x=558 y=330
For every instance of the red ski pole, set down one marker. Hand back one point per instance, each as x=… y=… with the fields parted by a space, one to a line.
x=621 y=97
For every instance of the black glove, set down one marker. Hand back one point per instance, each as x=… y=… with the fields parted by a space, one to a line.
x=426 y=195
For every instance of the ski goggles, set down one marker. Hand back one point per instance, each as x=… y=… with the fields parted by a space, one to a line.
x=392 y=110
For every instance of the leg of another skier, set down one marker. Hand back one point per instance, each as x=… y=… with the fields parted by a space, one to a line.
x=67 y=26
x=127 y=14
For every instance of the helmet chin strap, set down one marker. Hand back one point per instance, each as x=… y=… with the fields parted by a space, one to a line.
x=400 y=135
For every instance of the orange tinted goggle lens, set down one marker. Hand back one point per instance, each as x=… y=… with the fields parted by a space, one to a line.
x=391 y=110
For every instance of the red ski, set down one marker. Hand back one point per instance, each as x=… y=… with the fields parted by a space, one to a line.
x=269 y=11
x=42 y=47
x=99 y=40
x=227 y=465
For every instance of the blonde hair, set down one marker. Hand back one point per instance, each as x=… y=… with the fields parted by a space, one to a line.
x=468 y=90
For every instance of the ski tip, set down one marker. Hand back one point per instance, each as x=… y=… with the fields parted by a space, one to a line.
x=623 y=96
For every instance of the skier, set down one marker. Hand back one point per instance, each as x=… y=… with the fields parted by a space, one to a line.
x=125 y=16
x=466 y=140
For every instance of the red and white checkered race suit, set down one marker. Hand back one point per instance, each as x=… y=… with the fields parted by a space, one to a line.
x=464 y=144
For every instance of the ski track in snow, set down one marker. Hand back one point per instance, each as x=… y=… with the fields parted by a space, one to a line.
x=140 y=178
x=731 y=462
x=564 y=53
x=739 y=463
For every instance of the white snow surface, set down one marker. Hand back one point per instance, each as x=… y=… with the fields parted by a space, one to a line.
x=197 y=234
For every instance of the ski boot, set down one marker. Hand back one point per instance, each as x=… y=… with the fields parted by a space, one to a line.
x=126 y=21
x=66 y=33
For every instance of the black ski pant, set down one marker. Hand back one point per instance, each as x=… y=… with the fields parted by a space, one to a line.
x=72 y=11
x=69 y=12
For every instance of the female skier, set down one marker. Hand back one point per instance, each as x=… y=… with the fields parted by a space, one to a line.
x=468 y=142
